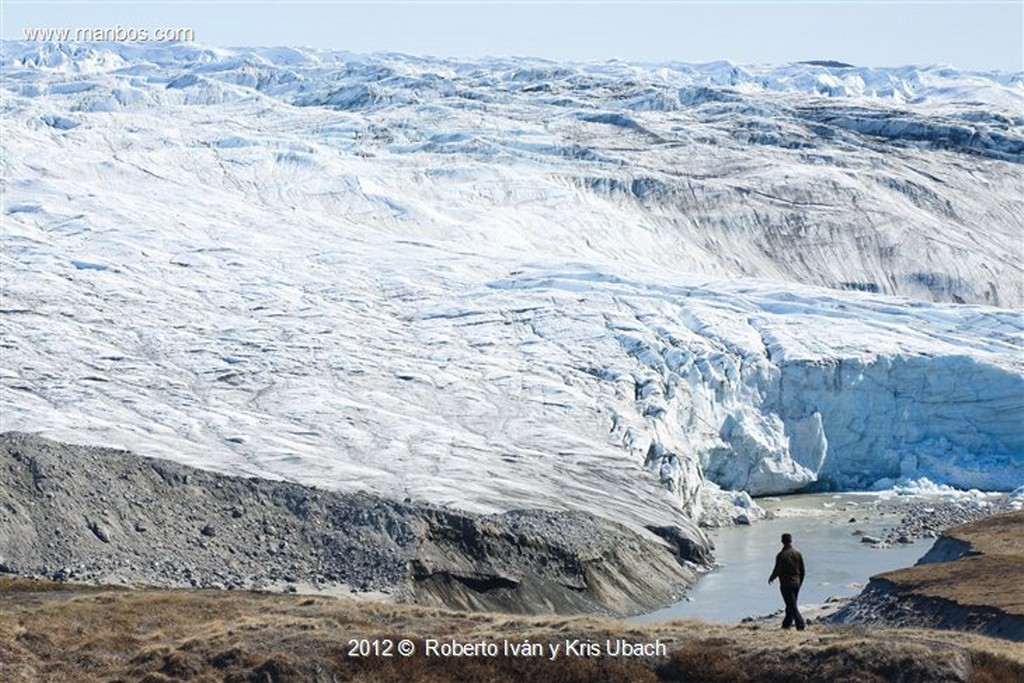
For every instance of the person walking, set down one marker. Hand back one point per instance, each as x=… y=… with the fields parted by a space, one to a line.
x=789 y=570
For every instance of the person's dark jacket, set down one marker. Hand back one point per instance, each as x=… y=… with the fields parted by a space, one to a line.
x=789 y=567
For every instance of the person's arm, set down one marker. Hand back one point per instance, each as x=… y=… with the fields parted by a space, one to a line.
x=775 y=571
x=800 y=563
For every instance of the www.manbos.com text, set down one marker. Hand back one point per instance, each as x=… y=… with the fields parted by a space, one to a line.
x=116 y=33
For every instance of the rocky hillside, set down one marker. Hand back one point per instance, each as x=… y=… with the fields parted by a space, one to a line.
x=71 y=512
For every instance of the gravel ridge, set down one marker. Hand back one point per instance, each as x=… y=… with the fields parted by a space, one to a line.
x=96 y=514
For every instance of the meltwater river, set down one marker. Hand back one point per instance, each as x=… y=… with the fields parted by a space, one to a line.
x=837 y=562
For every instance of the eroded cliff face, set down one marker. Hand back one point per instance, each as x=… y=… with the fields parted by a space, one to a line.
x=88 y=514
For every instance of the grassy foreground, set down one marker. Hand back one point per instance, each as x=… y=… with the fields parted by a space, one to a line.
x=53 y=632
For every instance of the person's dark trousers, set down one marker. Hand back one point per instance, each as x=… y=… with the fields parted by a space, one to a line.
x=789 y=595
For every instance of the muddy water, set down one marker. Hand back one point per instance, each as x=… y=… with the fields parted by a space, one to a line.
x=837 y=562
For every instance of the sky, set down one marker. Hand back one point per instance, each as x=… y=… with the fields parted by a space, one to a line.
x=975 y=35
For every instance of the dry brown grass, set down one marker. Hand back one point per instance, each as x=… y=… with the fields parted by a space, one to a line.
x=995 y=578
x=160 y=636
x=19 y=584
x=986 y=580
x=995 y=535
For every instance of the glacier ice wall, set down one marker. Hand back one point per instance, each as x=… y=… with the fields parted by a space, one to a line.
x=511 y=283
x=786 y=391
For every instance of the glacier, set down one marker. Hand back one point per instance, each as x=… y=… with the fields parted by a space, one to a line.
x=492 y=284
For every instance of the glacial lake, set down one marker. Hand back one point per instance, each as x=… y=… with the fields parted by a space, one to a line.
x=837 y=562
